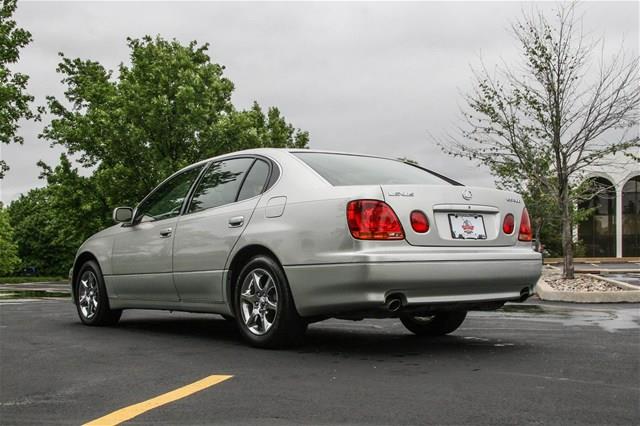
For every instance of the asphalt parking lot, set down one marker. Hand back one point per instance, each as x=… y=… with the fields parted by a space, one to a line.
x=628 y=272
x=529 y=364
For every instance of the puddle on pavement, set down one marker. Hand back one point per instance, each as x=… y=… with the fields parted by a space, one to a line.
x=30 y=294
x=607 y=318
x=527 y=309
x=629 y=278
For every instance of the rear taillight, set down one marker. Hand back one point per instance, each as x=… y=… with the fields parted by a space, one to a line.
x=526 y=234
x=373 y=220
x=419 y=221
x=509 y=224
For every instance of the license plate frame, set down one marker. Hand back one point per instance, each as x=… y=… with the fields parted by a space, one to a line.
x=463 y=226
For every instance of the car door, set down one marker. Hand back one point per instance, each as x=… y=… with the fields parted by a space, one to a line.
x=142 y=252
x=221 y=205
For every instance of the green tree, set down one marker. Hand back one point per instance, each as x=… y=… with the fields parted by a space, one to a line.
x=253 y=129
x=14 y=99
x=170 y=107
x=51 y=222
x=9 y=260
x=549 y=118
x=32 y=221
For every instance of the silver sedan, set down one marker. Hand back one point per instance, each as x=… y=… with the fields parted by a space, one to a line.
x=276 y=239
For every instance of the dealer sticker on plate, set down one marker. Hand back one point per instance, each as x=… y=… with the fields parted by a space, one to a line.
x=467 y=227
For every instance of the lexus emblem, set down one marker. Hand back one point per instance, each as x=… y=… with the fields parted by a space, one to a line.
x=466 y=194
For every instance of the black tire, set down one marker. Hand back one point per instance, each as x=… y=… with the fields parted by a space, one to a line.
x=286 y=327
x=89 y=281
x=436 y=325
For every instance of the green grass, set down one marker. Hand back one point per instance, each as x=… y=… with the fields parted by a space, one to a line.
x=20 y=280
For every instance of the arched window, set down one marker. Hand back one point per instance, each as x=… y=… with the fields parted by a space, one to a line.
x=631 y=217
x=598 y=232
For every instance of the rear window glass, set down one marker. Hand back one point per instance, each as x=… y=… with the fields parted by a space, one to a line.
x=344 y=169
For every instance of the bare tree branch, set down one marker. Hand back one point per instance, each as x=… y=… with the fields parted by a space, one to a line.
x=540 y=124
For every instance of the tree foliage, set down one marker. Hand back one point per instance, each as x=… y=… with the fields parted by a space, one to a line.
x=51 y=222
x=9 y=260
x=170 y=107
x=548 y=119
x=14 y=99
x=167 y=108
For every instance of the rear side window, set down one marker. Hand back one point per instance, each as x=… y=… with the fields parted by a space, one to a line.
x=220 y=184
x=344 y=170
x=255 y=181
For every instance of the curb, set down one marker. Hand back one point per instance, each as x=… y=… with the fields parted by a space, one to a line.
x=631 y=294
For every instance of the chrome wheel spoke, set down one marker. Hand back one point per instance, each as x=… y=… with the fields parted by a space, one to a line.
x=256 y=282
x=265 y=322
x=272 y=306
x=252 y=319
x=268 y=286
x=249 y=298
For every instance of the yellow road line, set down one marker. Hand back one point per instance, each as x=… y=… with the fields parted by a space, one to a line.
x=127 y=413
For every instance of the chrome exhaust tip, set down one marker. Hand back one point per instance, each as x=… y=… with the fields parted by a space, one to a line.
x=524 y=294
x=393 y=304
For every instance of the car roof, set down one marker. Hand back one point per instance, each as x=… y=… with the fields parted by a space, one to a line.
x=279 y=153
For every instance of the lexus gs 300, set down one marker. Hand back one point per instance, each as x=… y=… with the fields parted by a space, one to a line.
x=275 y=239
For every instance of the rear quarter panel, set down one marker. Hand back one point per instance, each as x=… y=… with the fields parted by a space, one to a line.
x=313 y=224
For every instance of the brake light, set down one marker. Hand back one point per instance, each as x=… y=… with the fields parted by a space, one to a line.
x=419 y=221
x=526 y=234
x=373 y=220
x=509 y=224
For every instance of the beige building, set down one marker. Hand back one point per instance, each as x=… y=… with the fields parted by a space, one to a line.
x=614 y=229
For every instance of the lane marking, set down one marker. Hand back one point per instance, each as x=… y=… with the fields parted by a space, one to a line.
x=127 y=413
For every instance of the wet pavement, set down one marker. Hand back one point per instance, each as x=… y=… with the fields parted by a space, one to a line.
x=594 y=267
x=631 y=278
x=531 y=363
x=611 y=266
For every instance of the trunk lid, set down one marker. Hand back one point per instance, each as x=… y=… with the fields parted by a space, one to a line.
x=454 y=212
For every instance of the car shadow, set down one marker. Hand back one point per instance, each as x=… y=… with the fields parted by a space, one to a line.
x=209 y=327
x=400 y=344
x=338 y=339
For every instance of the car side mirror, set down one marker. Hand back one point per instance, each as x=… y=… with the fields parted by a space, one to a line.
x=123 y=214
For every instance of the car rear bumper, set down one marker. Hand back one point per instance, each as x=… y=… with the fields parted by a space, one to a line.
x=332 y=289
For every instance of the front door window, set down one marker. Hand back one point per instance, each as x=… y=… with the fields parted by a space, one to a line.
x=166 y=201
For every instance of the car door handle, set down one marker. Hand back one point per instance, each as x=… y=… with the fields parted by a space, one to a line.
x=165 y=233
x=234 y=222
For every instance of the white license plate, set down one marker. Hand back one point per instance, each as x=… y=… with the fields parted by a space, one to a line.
x=467 y=227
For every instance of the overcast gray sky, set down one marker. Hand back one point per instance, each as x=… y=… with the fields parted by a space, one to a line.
x=362 y=77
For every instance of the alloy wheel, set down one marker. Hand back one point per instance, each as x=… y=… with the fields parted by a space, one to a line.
x=259 y=301
x=88 y=294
